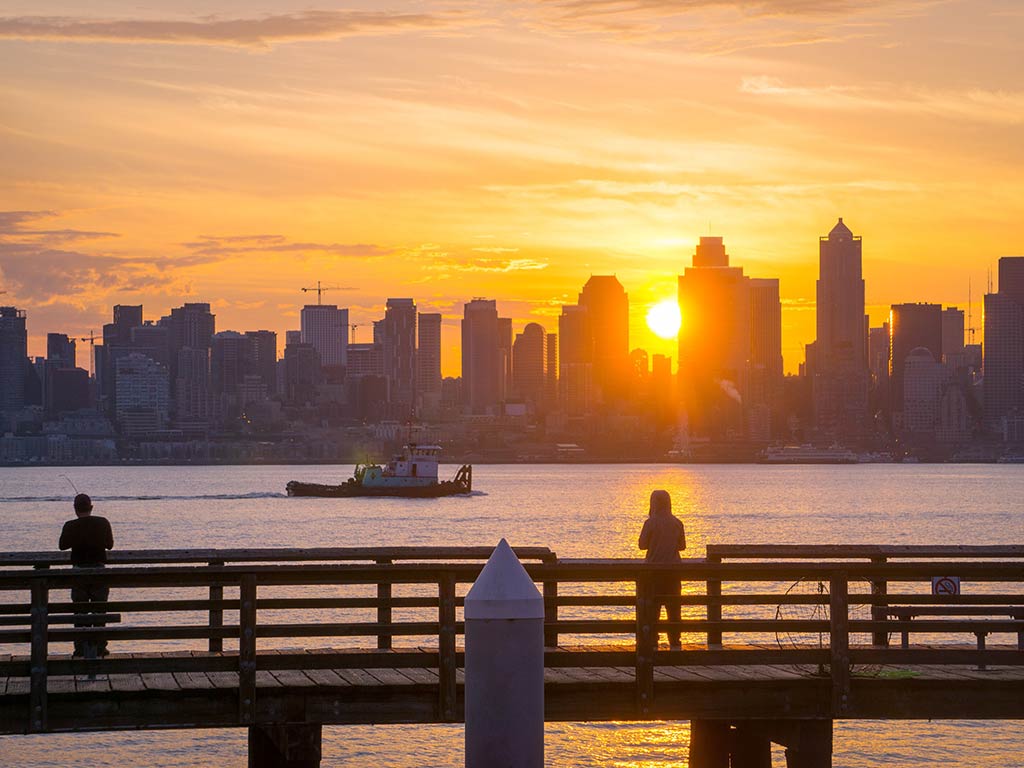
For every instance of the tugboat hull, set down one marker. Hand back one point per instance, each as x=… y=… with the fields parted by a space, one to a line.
x=461 y=484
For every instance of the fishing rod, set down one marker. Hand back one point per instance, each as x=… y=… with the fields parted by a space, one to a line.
x=73 y=486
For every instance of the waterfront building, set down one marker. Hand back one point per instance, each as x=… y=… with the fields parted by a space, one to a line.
x=910 y=326
x=714 y=342
x=607 y=307
x=1004 y=348
x=399 y=345
x=142 y=394
x=482 y=371
x=428 y=357
x=529 y=365
x=325 y=327
x=13 y=360
x=67 y=389
x=838 y=363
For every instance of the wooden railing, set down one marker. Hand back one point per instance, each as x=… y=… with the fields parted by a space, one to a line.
x=438 y=586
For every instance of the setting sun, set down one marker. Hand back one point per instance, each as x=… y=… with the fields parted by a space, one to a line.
x=664 y=318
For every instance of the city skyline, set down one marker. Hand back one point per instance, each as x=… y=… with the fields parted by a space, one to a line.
x=464 y=149
x=288 y=318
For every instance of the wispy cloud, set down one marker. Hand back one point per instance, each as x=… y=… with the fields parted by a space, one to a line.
x=261 y=32
x=979 y=105
x=231 y=245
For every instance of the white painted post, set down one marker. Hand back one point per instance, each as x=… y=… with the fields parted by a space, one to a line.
x=504 y=666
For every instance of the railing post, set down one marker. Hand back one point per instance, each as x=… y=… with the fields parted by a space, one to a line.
x=646 y=643
x=446 y=646
x=37 y=667
x=550 y=610
x=216 y=644
x=839 y=642
x=714 y=607
x=384 y=607
x=247 y=649
x=879 y=589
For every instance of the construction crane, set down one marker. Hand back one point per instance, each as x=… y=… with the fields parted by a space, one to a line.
x=91 y=338
x=353 y=326
x=320 y=289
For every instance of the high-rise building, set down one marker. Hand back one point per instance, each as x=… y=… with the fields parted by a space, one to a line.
x=13 y=359
x=910 y=326
x=60 y=351
x=428 y=357
x=839 y=364
x=1004 y=347
x=505 y=351
x=923 y=379
x=575 y=362
x=399 y=345
x=714 y=342
x=551 y=384
x=326 y=328
x=190 y=326
x=263 y=357
x=302 y=373
x=607 y=307
x=529 y=365
x=229 y=364
x=142 y=394
x=193 y=394
x=481 y=358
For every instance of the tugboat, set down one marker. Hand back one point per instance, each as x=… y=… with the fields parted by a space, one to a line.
x=410 y=474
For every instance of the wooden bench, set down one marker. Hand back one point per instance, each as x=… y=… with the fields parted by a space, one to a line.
x=906 y=613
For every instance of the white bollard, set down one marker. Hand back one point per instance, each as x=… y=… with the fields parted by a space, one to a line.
x=504 y=666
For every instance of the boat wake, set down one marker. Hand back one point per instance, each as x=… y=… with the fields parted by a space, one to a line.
x=147 y=497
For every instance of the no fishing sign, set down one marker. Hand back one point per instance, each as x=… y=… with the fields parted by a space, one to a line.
x=944 y=586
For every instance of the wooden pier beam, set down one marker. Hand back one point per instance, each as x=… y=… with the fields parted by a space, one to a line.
x=751 y=746
x=295 y=745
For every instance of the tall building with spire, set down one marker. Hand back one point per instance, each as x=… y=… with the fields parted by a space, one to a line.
x=838 y=361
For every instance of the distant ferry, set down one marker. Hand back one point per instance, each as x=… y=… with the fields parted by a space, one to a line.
x=410 y=474
x=807 y=454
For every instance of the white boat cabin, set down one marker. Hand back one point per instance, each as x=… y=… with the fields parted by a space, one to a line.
x=415 y=466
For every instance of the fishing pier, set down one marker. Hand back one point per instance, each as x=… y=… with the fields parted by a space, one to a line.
x=779 y=642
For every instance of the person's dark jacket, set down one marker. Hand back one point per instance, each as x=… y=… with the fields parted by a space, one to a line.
x=88 y=538
x=663 y=535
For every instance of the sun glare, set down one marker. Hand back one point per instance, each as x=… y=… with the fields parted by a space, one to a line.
x=664 y=318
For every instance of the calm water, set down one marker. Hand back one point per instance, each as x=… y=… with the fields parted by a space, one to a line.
x=578 y=511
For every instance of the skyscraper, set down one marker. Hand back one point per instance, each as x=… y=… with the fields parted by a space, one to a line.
x=1004 y=347
x=60 y=351
x=911 y=326
x=481 y=358
x=607 y=307
x=714 y=342
x=399 y=344
x=326 y=328
x=262 y=356
x=142 y=394
x=575 y=362
x=839 y=368
x=13 y=359
x=551 y=384
x=529 y=364
x=428 y=357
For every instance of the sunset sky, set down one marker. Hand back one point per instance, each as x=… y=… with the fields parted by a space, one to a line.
x=233 y=152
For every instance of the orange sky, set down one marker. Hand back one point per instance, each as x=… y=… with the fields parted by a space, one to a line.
x=505 y=149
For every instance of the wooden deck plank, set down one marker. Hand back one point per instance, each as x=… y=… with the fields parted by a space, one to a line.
x=223 y=679
x=326 y=677
x=61 y=684
x=160 y=681
x=293 y=678
x=126 y=683
x=420 y=676
x=390 y=677
x=357 y=677
x=84 y=685
x=193 y=681
x=266 y=680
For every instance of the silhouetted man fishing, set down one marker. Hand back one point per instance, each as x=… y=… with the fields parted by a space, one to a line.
x=88 y=537
x=663 y=537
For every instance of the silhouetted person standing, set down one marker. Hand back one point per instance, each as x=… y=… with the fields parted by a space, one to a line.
x=664 y=538
x=88 y=537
